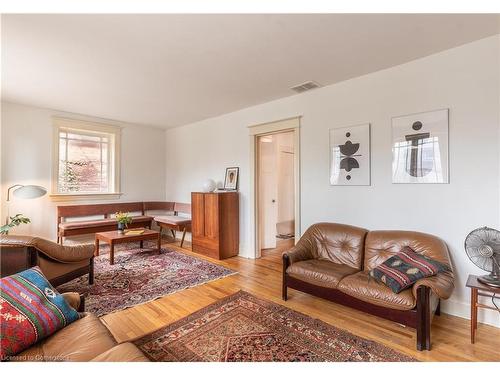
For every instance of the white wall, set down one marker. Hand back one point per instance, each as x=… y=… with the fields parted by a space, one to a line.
x=26 y=139
x=463 y=79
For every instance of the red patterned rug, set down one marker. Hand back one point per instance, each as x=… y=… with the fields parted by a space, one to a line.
x=139 y=276
x=244 y=328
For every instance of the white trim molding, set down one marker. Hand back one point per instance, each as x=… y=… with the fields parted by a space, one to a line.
x=255 y=131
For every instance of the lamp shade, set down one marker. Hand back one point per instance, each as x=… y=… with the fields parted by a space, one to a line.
x=29 y=192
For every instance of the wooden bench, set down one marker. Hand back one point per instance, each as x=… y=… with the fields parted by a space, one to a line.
x=106 y=223
x=172 y=220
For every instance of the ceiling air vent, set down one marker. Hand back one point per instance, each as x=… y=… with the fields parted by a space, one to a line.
x=309 y=85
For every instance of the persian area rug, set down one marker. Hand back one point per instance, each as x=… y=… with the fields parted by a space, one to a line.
x=139 y=276
x=242 y=327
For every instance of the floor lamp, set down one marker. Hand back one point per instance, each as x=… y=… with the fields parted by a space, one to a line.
x=24 y=192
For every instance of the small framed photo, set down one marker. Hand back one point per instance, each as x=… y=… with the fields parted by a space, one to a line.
x=231 y=180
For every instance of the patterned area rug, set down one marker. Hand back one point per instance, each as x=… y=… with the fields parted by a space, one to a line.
x=139 y=276
x=242 y=327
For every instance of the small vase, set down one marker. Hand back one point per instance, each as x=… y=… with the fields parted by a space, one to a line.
x=121 y=228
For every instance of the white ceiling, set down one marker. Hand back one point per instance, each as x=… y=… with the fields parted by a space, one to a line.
x=170 y=70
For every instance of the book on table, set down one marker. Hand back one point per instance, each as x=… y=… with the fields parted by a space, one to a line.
x=134 y=232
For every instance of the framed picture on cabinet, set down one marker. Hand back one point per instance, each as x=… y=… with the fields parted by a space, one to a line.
x=231 y=179
x=350 y=155
x=420 y=148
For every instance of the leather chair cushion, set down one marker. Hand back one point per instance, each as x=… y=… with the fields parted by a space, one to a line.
x=81 y=341
x=382 y=244
x=364 y=288
x=320 y=272
x=100 y=222
x=339 y=243
x=172 y=220
x=124 y=352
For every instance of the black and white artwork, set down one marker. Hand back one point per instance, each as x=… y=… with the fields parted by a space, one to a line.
x=350 y=155
x=420 y=148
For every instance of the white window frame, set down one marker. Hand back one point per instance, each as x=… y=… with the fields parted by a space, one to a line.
x=89 y=128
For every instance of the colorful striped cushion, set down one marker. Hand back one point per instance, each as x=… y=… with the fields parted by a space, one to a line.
x=405 y=268
x=30 y=309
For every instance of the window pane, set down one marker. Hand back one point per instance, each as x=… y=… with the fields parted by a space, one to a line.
x=83 y=167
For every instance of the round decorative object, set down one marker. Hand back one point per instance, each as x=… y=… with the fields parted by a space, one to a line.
x=209 y=186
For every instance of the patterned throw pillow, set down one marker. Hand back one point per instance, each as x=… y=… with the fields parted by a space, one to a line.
x=405 y=268
x=30 y=309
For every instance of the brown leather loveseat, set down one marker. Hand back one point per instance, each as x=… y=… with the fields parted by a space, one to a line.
x=333 y=261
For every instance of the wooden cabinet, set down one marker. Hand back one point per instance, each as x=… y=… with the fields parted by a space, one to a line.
x=215 y=224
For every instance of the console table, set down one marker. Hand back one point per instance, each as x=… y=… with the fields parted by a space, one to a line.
x=477 y=288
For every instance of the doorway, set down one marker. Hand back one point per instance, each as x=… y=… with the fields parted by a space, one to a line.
x=276 y=191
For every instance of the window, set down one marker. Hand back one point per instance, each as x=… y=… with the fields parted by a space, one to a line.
x=86 y=158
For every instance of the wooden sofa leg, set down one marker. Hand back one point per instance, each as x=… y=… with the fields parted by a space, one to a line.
x=183 y=236
x=423 y=318
x=284 y=288
x=438 y=309
x=81 y=308
x=91 y=271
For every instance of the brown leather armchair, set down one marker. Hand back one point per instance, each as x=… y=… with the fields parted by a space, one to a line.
x=58 y=263
x=333 y=261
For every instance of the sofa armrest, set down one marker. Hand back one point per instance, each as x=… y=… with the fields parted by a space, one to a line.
x=63 y=254
x=441 y=284
x=298 y=253
x=75 y=300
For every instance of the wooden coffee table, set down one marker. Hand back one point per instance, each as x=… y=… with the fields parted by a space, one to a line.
x=113 y=237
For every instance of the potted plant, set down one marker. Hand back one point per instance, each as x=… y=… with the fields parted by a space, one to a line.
x=14 y=222
x=123 y=219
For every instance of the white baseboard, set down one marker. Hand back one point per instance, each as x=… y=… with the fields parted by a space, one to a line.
x=462 y=309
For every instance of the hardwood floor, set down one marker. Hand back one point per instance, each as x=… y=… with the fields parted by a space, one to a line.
x=262 y=277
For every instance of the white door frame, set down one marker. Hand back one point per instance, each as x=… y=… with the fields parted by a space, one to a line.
x=281 y=126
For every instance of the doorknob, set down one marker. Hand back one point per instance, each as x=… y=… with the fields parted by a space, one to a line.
x=274 y=201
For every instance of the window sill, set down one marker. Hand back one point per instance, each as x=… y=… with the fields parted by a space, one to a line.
x=56 y=197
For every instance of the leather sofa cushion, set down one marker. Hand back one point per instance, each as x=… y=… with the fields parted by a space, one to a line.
x=81 y=341
x=172 y=220
x=124 y=352
x=339 y=243
x=381 y=245
x=320 y=272
x=97 y=223
x=364 y=288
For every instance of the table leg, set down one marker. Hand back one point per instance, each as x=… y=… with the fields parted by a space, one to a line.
x=141 y=244
x=159 y=244
x=473 y=315
x=96 y=248
x=112 y=253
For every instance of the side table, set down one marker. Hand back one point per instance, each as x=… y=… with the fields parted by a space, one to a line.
x=477 y=288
